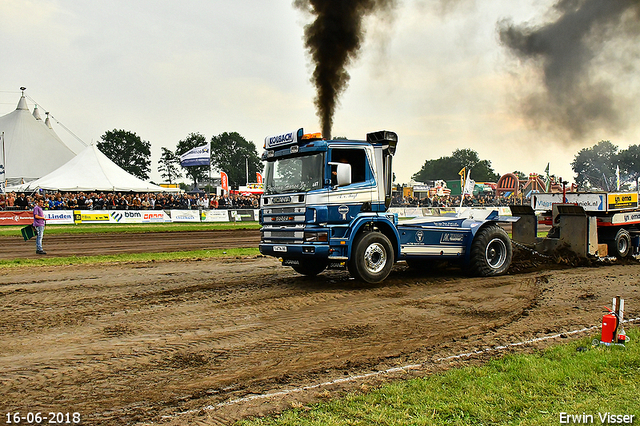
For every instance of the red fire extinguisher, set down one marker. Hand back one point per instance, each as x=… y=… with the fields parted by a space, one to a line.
x=609 y=327
x=612 y=331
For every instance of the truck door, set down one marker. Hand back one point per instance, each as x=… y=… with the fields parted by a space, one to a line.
x=362 y=188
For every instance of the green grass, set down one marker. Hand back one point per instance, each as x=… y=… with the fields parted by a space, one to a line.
x=130 y=257
x=133 y=228
x=517 y=389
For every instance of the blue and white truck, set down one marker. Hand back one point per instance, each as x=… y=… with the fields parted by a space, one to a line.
x=325 y=206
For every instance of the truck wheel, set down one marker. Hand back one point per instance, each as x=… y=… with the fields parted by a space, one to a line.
x=621 y=244
x=310 y=268
x=490 y=252
x=372 y=257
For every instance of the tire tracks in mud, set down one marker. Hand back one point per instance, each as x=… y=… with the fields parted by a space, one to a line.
x=129 y=343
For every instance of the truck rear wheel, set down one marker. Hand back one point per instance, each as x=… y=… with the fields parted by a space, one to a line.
x=490 y=252
x=310 y=268
x=621 y=244
x=372 y=257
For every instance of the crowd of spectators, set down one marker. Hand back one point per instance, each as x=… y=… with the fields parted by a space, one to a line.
x=128 y=201
x=482 y=200
x=161 y=201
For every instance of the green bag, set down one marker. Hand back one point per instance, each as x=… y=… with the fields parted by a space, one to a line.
x=28 y=232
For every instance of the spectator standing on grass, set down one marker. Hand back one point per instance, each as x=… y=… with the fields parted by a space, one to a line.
x=39 y=223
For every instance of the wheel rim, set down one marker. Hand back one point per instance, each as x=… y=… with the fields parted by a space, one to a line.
x=622 y=245
x=375 y=258
x=496 y=253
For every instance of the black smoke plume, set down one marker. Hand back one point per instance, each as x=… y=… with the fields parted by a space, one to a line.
x=333 y=41
x=578 y=97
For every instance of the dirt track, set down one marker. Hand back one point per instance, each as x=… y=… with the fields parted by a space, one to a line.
x=98 y=244
x=127 y=344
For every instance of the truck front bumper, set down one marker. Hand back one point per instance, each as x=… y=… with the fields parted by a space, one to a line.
x=295 y=251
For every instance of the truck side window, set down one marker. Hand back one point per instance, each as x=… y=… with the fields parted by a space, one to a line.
x=355 y=157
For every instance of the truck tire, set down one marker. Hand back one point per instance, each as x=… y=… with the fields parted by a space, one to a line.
x=491 y=252
x=372 y=257
x=620 y=247
x=310 y=268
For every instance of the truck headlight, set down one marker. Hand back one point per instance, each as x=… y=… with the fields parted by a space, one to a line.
x=316 y=237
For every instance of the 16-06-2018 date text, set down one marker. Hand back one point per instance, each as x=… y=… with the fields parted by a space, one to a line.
x=50 y=418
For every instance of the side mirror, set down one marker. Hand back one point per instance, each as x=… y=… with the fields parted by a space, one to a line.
x=342 y=173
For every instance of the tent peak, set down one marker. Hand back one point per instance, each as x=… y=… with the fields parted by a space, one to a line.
x=22 y=103
x=47 y=122
x=36 y=113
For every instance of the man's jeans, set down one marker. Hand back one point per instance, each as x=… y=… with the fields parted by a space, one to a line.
x=40 y=231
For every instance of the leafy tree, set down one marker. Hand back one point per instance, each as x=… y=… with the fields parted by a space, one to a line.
x=521 y=176
x=229 y=153
x=168 y=165
x=128 y=151
x=448 y=168
x=595 y=167
x=193 y=140
x=629 y=161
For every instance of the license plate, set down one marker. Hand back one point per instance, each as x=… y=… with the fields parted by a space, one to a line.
x=280 y=248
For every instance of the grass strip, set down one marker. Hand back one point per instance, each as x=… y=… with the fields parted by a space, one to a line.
x=532 y=389
x=129 y=257
x=133 y=228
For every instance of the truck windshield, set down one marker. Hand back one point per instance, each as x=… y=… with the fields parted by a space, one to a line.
x=294 y=174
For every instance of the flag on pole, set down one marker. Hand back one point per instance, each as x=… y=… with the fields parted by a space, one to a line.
x=469 y=185
x=618 y=178
x=198 y=156
x=463 y=178
x=548 y=179
x=258 y=177
x=224 y=181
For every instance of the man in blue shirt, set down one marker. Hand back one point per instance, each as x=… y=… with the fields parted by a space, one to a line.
x=39 y=222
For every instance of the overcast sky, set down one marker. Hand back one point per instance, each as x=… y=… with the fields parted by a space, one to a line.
x=436 y=74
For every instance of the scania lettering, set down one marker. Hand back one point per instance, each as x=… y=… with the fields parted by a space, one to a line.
x=326 y=205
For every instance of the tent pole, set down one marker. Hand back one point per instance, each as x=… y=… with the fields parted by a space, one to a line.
x=4 y=165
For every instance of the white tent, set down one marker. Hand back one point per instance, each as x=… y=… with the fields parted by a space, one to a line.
x=32 y=148
x=90 y=171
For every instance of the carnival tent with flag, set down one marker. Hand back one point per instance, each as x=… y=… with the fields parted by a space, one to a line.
x=91 y=170
x=31 y=148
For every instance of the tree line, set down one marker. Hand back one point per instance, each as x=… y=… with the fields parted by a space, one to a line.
x=595 y=167
x=230 y=153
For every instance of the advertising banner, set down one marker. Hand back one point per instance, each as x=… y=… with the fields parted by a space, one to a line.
x=61 y=217
x=224 y=181
x=88 y=216
x=590 y=202
x=119 y=216
x=618 y=201
x=215 y=216
x=185 y=216
x=155 y=216
x=243 y=215
x=16 y=218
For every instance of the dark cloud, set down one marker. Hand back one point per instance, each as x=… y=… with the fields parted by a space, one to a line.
x=577 y=97
x=334 y=40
